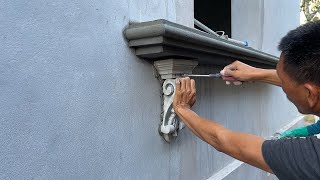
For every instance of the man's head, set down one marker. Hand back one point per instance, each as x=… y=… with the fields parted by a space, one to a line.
x=299 y=67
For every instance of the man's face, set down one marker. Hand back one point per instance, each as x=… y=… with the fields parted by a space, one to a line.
x=295 y=92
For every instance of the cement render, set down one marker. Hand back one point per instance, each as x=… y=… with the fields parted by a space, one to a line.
x=263 y=22
x=76 y=103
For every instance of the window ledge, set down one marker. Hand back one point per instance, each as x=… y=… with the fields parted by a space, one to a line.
x=162 y=39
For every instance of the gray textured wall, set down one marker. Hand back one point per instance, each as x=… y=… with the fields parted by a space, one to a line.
x=76 y=103
x=180 y=11
x=264 y=22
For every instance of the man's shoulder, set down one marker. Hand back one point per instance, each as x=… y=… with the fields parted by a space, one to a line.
x=294 y=158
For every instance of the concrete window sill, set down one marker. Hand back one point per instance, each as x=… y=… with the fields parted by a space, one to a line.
x=161 y=39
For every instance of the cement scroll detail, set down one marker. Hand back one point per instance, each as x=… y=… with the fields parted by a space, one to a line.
x=170 y=124
x=169 y=70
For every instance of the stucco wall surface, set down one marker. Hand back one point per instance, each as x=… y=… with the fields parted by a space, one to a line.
x=76 y=103
x=263 y=22
x=180 y=11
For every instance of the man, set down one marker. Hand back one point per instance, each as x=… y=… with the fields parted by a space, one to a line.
x=298 y=73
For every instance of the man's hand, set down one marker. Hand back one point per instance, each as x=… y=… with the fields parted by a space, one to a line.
x=185 y=96
x=238 y=71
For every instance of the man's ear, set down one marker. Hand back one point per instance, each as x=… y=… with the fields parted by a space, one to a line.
x=312 y=94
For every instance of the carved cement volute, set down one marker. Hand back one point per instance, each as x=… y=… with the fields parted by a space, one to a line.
x=169 y=70
x=170 y=123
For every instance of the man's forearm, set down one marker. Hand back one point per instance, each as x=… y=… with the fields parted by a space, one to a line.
x=205 y=129
x=244 y=147
x=268 y=76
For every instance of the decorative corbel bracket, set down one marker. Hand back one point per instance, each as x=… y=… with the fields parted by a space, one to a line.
x=169 y=70
x=157 y=40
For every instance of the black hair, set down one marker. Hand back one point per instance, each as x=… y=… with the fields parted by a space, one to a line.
x=301 y=51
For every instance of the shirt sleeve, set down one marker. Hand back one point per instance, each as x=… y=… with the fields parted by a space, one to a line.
x=292 y=159
x=299 y=132
x=314 y=128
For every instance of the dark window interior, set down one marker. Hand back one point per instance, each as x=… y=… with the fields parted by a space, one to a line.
x=215 y=14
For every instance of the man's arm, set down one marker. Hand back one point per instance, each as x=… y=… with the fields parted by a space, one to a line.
x=243 y=72
x=244 y=147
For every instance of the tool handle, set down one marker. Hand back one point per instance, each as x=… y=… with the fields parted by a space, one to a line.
x=237 y=83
